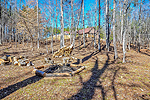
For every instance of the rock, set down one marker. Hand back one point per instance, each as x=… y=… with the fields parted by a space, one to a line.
x=16 y=63
x=30 y=64
x=20 y=60
x=22 y=63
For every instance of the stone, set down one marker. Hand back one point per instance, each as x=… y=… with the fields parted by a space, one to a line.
x=16 y=63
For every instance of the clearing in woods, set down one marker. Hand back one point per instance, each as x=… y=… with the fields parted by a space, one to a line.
x=103 y=78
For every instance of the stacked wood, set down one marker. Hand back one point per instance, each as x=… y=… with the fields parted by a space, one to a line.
x=5 y=59
x=65 y=51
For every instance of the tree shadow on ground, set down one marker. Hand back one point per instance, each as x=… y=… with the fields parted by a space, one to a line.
x=5 y=48
x=145 y=53
x=87 y=57
x=88 y=89
x=113 y=85
x=12 y=88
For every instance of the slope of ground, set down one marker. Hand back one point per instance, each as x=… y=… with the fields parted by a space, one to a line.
x=103 y=78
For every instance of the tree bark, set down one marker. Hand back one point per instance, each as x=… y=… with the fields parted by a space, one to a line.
x=77 y=25
x=107 y=25
x=62 y=25
x=71 y=21
x=125 y=30
x=83 y=25
x=139 y=42
x=56 y=22
x=38 y=45
x=95 y=30
x=0 y=23
x=52 y=36
x=99 y=45
x=114 y=31
x=121 y=27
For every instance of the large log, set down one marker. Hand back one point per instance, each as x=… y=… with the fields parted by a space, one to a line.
x=39 y=73
x=58 y=75
x=43 y=74
x=78 y=70
x=2 y=61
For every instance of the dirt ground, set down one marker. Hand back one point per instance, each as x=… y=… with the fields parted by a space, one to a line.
x=103 y=78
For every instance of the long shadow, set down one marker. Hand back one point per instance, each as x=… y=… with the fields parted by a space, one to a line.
x=6 y=48
x=113 y=85
x=88 y=89
x=12 y=88
x=89 y=56
x=140 y=51
x=145 y=53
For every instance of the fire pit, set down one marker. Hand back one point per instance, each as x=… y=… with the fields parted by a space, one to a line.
x=58 y=71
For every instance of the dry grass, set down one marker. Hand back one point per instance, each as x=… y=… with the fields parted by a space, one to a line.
x=103 y=78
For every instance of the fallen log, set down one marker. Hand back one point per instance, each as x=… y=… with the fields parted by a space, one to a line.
x=58 y=75
x=78 y=70
x=39 y=73
x=43 y=74
x=2 y=61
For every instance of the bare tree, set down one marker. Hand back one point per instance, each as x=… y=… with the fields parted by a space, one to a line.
x=56 y=22
x=71 y=21
x=121 y=15
x=140 y=27
x=62 y=25
x=83 y=25
x=77 y=24
x=95 y=30
x=0 y=22
x=38 y=45
x=126 y=5
x=99 y=45
x=107 y=24
x=114 y=31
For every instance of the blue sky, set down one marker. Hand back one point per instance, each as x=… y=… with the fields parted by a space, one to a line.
x=89 y=5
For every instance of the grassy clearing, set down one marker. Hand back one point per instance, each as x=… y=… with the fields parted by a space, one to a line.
x=103 y=78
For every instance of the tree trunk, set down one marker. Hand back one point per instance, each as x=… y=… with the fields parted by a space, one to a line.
x=38 y=45
x=107 y=24
x=129 y=44
x=0 y=23
x=121 y=26
x=99 y=27
x=125 y=30
x=139 y=43
x=1 y=34
x=114 y=31
x=95 y=29
x=56 y=22
x=52 y=36
x=77 y=24
x=83 y=25
x=62 y=25
x=71 y=21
